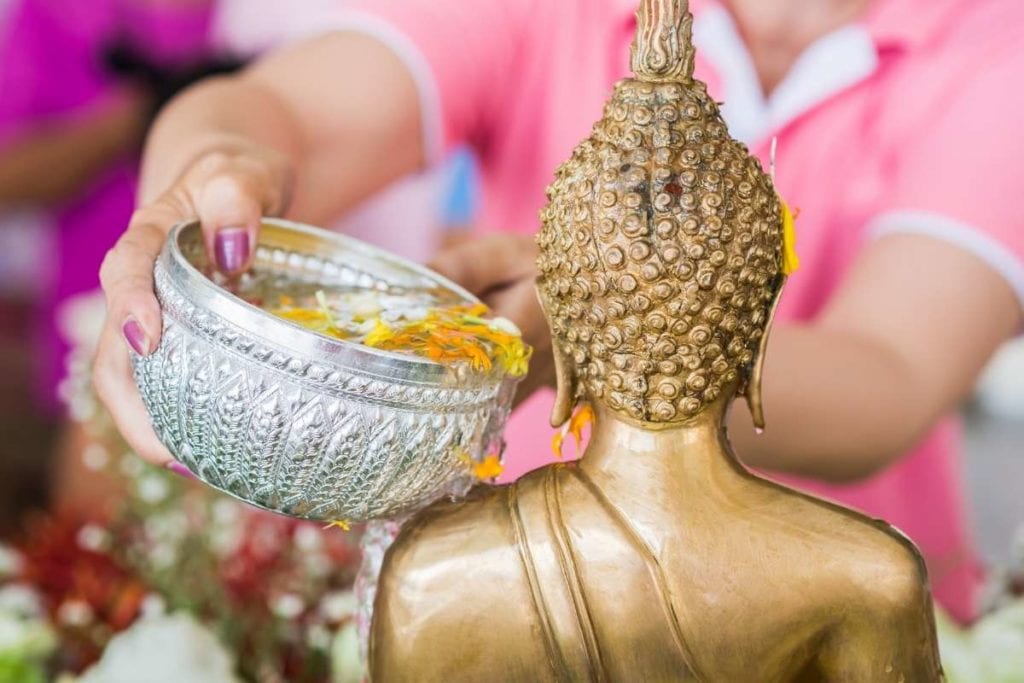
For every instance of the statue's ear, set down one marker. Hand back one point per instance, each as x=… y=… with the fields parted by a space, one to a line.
x=752 y=391
x=565 y=375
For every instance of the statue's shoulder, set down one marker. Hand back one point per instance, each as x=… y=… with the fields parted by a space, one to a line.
x=489 y=522
x=869 y=556
x=475 y=524
x=455 y=561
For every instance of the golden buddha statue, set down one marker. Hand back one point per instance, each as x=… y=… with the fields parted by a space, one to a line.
x=658 y=557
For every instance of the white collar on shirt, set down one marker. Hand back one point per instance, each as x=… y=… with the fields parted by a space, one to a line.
x=828 y=66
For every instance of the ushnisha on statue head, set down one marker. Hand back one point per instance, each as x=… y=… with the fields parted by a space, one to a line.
x=662 y=251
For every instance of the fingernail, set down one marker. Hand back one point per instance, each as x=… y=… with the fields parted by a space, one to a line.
x=135 y=336
x=180 y=470
x=231 y=249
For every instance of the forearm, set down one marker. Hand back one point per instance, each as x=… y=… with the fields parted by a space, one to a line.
x=221 y=115
x=837 y=406
x=341 y=112
x=896 y=349
x=59 y=157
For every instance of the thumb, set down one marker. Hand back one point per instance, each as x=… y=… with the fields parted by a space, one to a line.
x=230 y=195
x=230 y=216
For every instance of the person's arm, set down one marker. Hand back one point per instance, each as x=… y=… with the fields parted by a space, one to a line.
x=51 y=161
x=900 y=344
x=333 y=120
x=936 y=289
x=316 y=128
x=342 y=112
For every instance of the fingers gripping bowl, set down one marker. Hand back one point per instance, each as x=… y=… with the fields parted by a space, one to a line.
x=299 y=422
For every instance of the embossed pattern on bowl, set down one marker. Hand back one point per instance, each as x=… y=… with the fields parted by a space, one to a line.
x=296 y=422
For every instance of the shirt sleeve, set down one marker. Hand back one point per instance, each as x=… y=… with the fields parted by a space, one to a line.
x=960 y=175
x=461 y=53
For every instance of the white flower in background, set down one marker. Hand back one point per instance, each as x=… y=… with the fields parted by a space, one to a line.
x=153 y=605
x=25 y=638
x=131 y=465
x=153 y=489
x=80 y=320
x=308 y=539
x=287 y=606
x=990 y=652
x=163 y=555
x=10 y=562
x=338 y=606
x=345 y=664
x=317 y=564
x=226 y=511
x=318 y=637
x=20 y=600
x=95 y=457
x=224 y=540
x=170 y=526
x=24 y=634
x=225 y=529
x=170 y=649
x=93 y=538
x=74 y=613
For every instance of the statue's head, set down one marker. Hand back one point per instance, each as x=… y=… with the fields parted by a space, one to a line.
x=662 y=245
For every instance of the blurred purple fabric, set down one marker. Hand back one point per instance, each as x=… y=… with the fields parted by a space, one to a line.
x=51 y=63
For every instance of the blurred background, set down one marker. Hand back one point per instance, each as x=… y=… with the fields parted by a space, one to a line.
x=79 y=85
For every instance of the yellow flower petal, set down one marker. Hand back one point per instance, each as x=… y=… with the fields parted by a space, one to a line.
x=449 y=335
x=342 y=524
x=790 y=259
x=484 y=470
x=556 y=443
x=582 y=419
x=379 y=335
x=575 y=426
x=489 y=468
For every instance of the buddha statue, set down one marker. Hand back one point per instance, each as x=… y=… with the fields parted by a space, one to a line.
x=658 y=556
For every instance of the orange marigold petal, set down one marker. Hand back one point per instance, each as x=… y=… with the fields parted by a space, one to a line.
x=580 y=421
x=489 y=468
x=556 y=443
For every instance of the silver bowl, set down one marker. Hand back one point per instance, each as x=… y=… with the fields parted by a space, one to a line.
x=296 y=422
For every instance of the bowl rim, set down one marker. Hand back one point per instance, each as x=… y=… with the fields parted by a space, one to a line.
x=206 y=294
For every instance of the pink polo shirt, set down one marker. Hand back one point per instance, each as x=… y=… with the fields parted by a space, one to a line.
x=907 y=121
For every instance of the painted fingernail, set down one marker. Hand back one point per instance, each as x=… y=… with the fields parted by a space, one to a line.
x=231 y=249
x=135 y=336
x=180 y=470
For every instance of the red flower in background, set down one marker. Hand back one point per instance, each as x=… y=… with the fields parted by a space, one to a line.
x=88 y=595
x=260 y=582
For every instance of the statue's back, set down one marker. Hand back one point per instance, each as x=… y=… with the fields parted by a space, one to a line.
x=565 y=590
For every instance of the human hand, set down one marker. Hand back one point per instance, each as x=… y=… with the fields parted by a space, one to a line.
x=501 y=270
x=229 y=191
